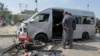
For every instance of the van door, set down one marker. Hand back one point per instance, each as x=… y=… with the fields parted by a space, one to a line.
x=57 y=29
x=39 y=25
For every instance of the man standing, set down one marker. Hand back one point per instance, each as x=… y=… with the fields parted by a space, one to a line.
x=68 y=29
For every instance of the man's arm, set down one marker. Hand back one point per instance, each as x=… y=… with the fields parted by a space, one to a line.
x=58 y=24
x=64 y=23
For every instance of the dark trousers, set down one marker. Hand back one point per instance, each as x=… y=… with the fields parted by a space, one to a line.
x=67 y=37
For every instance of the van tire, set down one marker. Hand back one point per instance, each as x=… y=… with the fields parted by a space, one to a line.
x=85 y=36
x=41 y=37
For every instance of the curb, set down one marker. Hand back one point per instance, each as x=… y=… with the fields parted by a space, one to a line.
x=12 y=35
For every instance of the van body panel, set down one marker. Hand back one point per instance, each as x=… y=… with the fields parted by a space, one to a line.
x=90 y=29
x=77 y=34
x=35 y=28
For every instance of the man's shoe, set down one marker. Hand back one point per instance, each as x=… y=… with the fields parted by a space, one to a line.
x=70 y=47
x=67 y=44
x=63 y=47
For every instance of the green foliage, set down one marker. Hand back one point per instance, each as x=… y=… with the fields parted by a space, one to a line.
x=15 y=18
x=4 y=12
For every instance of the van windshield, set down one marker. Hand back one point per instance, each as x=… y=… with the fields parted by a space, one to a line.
x=41 y=18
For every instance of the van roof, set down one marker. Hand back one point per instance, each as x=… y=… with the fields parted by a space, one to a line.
x=75 y=11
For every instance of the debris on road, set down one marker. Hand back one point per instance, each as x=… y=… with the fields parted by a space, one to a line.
x=34 y=48
x=99 y=51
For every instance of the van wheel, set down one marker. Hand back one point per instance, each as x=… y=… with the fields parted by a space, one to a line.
x=41 y=37
x=85 y=36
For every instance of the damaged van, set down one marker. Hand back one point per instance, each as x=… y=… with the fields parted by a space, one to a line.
x=43 y=25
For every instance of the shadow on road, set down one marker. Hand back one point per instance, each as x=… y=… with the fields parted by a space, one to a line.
x=92 y=39
x=1 y=49
x=57 y=44
x=85 y=47
x=80 y=45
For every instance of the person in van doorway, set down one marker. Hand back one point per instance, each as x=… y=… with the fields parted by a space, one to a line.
x=68 y=27
x=85 y=21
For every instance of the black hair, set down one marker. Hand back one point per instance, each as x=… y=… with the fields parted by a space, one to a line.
x=66 y=12
x=70 y=14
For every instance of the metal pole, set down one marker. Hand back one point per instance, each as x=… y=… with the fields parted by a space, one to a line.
x=36 y=5
x=20 y=6
x=26 y=6
x=88 y=5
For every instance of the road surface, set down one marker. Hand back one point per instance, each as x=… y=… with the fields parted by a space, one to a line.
x=89 y=47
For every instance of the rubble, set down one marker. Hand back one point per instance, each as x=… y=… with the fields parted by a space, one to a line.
x=99 y=51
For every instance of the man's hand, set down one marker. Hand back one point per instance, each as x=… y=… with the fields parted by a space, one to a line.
x=64 y=28
x=57 y=24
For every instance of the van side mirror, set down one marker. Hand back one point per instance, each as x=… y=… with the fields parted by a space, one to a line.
x=32 y=20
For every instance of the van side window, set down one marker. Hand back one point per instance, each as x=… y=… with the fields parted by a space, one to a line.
x=92 y=20
x=78 y=20
x=88 y=20
x=85 y=21
x=41 y=17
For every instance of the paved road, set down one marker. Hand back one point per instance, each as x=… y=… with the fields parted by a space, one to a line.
x=5 y=42
x=81 y=48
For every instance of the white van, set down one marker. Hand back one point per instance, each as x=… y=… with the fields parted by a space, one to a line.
x=43 y=25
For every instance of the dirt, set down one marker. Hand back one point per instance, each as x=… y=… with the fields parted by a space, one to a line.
x=8 y=30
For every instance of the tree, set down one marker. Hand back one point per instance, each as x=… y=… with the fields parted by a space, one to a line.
x=4 y=12
x=16 y=18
